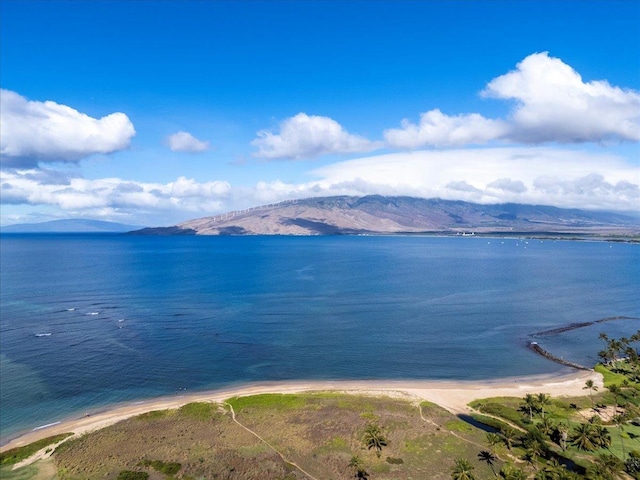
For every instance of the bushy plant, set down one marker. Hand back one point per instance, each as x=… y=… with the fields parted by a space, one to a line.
x=131 y=475
x=168 y=468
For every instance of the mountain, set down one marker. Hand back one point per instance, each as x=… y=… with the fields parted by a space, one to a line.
x=70 y=226
x=376 y=214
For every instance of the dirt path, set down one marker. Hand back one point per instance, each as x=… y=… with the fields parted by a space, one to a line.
x=280 y=454
x=453 y=396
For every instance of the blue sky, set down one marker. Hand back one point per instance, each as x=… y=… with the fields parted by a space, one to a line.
x=156 y=112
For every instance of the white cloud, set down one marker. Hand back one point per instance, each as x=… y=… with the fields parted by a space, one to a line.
x=555 y=105
x=439 y=130
x=536 y=175
x=185 y=142
x=79 y=194
x=462 y=186
x=304 y=137
x=508 y=185
x=33 y=132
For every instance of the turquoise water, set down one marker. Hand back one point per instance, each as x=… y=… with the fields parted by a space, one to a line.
x=89 y=320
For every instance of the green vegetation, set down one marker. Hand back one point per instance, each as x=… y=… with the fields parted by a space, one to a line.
x=374 y=439
x=599 y=435
x=332 y=435
x=610 y=378
x=16 y=455
x=268 y=400
x=358 y=467
x=497 y=408
x=170 y=468
x=458 y=426
x=325 y=435
x=462 y=470
x=490 y=422
x=42 y=470
x=199 y=410
x=132 y=475
x=154 y=415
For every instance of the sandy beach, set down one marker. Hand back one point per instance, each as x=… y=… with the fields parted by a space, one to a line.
x=452 y=395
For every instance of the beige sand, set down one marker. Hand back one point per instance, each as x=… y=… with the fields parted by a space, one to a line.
x=452 y=395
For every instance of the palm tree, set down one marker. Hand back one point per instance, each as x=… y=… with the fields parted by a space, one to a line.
x=462 y=470
x=614 y=346
x=546 y=426
x=511 y=472
x=602 y=436
x=490 y=458
x=620 y=421
x=583 y=437
x=358 y=466
x=508 y=436
x=615 y=391
x=530 y=404
x=592 y=388
x=553 y=470
x=542 y=400
x=373 y=438
x=493 y=439
x=530 y=456
x=606 y=356
x=563 y=433
x=607 y=466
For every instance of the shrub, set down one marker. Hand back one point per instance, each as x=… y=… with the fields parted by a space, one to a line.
x=131 y=475
x=395 y=461
x=169 y=468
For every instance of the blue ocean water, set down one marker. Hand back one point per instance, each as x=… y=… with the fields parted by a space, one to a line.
x=90 y=320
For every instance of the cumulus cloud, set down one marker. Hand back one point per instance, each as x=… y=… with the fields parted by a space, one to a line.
x=308 y=136
x=185 y=142
x=554 y=104
x=508 y=185
x=462 y=186
x=534 y=175
x=32 y=132
x=593 y=184
x=439 y=130
x=79 y=194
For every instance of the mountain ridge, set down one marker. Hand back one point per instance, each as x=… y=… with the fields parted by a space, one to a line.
x=72 y=225
x=376 y=214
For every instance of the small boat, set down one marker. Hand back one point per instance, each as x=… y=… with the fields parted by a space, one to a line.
x=43 y=334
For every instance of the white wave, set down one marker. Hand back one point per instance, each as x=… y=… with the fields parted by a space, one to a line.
x=45 y=426
x=43 y=334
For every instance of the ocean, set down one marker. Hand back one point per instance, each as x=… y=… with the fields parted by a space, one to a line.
x=95 y=319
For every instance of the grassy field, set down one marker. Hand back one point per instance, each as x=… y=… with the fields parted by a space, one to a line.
x=289 y=434
x=309 y=435
x=329 y=436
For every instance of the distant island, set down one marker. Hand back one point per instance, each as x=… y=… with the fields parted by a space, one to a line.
x=70 y=226
x=380 y=215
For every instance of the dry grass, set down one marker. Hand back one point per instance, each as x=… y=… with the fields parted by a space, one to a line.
x=318 y=432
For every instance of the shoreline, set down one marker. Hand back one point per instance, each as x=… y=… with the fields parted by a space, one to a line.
x=453 y=395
